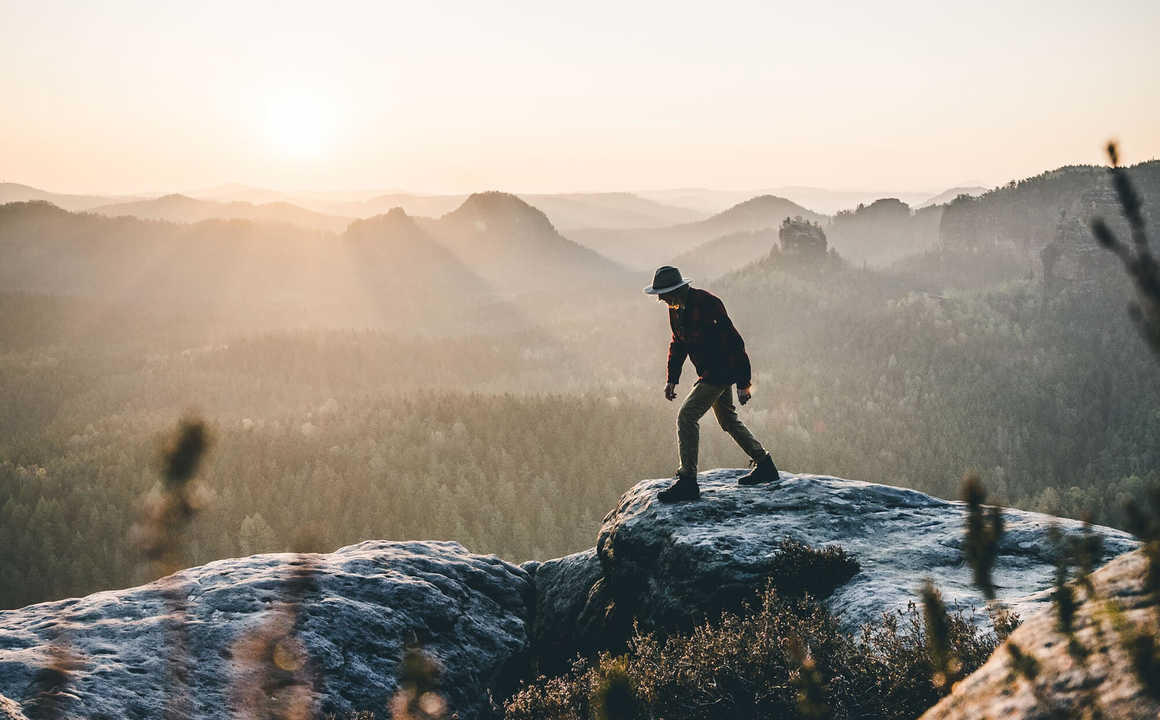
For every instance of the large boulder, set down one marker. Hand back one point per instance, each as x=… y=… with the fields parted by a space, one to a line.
x=323 y=632
x=668 y=566
x=1041 y=673
x=571 y=610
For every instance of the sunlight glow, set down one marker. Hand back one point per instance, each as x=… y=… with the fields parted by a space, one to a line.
x=299 y=124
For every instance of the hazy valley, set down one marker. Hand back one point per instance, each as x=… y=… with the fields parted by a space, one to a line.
x=418 y=377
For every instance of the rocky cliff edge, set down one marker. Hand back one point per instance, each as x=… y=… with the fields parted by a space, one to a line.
x=330 y=631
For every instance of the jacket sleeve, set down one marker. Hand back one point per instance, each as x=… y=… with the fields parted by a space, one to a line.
x=735 y=347
x=677 y=355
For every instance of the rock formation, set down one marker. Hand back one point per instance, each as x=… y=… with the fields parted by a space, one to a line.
x=669 y=566
x=1042 y=673
x=10 y=710
x=359 y=607
x=329 y=632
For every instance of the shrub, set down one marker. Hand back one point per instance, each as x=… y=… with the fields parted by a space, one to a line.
x=787 y=659
x=799 y=569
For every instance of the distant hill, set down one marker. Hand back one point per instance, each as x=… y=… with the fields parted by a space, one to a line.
x=416 y=205
x=819 y=199
x=946 y=196
x=515 y=247
x=458 y=274
x=1027 y=215
x=884 y=231
x=649 y=247
x=704 y=200
x=831 y=201
x=567 y=211
x=570 y=211
x=408 y=273
x=243 y=276
x=729 y=252
x=14 y=192
x=185 y=209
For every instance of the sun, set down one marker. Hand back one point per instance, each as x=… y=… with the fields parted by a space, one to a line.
x=299 y=124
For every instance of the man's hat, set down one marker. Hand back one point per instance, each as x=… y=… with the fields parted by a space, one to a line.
x=667 y=279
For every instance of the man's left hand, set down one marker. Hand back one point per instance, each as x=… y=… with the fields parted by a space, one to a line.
x=744 y=394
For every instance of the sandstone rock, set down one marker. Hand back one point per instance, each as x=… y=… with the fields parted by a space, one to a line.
x=360 y=607
x=1090 y=678
x=570 y=609
x=337 y=647
x=10 y=710
x=669 y=565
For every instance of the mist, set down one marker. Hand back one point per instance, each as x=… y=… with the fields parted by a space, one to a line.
x=482 y=375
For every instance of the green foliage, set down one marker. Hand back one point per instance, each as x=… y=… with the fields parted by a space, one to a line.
x=1023 y=664
x=799 y=569
x=1081 y=551
x=615 y=695
x=983 y=534
x=937 y=621
x=878 y=386
x=1143 y=517
x=1024 y=214
x=956 y=358
x=786 y=658
x=1144 y=523
x=1145 y=654
x=167 y=513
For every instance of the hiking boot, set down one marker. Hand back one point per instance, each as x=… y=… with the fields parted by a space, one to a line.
x=763 y=471
x=685 y=488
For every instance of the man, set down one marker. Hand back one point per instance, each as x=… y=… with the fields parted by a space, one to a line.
x=703 y=333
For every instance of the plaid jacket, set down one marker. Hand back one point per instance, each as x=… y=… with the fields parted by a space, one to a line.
x=703 y=333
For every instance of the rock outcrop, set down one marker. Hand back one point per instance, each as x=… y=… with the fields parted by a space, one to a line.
x=1089 y=674
x=10 y=710
x=573 y=610
x=351 y=612
x=329 y=632
x=672 y=565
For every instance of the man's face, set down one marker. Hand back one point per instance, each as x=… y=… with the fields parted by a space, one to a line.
x=672 y=299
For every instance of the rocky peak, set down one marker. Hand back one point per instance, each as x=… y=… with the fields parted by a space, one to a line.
x=396 y=219
x=672 y=566
x=499 y=212
x=898 y=536
x=357 y=609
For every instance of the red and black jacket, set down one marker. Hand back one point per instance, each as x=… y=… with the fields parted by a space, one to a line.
x=703 y=333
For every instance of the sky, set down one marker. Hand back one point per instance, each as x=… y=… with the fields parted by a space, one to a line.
x=441 y=96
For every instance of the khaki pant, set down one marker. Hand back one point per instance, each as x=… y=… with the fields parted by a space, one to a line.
x=719 y=397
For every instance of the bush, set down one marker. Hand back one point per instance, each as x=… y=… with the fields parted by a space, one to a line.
x=786 y=659
x=799 y=569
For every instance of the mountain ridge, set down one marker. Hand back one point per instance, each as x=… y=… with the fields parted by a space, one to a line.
x=177 y=207
x=646 y=248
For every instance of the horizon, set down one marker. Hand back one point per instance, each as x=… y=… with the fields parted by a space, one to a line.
x=203 y=192
x=148 y=100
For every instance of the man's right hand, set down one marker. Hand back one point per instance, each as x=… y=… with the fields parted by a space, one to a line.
x=671 y=391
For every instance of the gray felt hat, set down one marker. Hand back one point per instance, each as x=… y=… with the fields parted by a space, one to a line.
x=667 y=279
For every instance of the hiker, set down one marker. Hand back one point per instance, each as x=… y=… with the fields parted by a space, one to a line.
x=703 y=333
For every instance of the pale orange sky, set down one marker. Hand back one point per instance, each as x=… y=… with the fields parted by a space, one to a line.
x=545 y=96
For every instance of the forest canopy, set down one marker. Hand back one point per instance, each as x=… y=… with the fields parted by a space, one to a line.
x=515 y=437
